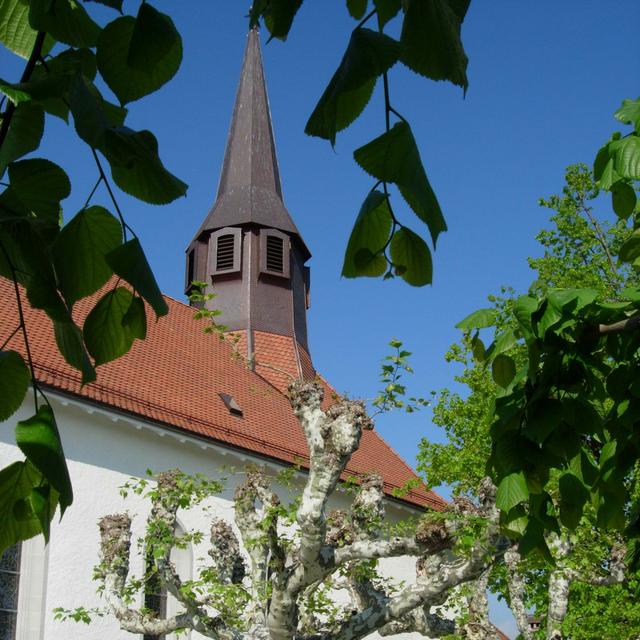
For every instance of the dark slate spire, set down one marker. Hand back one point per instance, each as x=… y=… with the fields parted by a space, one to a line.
x=250 y=157
x=249 y=191
x=248 y=251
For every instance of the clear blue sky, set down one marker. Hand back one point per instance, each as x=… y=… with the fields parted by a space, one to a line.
x=545 y=78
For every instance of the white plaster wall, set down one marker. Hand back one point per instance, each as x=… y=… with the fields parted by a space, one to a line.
x=103 y=451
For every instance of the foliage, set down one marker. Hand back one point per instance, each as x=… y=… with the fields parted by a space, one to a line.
x=392 y=395
x=571 y=407
x=60 y=265
x=579 y=250
x=54 y=266
x=430 y=44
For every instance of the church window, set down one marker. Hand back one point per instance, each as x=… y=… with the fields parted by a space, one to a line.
x=9 y=583
x=224 y=256
x=225 y=251
x=155 y=596
x=274 y=253
x=191 y=269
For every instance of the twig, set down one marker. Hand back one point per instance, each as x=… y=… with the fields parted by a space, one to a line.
x=26 y=74
x=8 y=340
x=22 y=325
x=103 y=176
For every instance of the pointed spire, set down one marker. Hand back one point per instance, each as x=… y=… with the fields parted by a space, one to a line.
x=249 y=191
x=250 y=156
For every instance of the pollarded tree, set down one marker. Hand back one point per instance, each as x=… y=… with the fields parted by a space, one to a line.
x=277 y=578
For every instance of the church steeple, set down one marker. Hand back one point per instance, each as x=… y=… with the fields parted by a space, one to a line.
x=250 y=157
x=248 y=249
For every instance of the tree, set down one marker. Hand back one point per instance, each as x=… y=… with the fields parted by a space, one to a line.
x=298 y=554
x=54 y=266
x=579 y=251
x=570 y=407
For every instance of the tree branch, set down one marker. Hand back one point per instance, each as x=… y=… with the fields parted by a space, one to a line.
x=516 y=585
x=36 y=52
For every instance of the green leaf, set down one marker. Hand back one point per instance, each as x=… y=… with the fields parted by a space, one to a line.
x=114 y=4
x=19 y=522
x=105 y=333
x=477 y=348
x=42 y=87
x=42 y=293
x=573 y=495
x=631 y=293
x=129 y=262
x=39 y=440
x=394 y=157
x=50 y=86
x=411 y=257
x=15 y=31
x=80 y=249
x=154 y=37
x=387 y=9
x=135 y=319
x=611 y=512
x=40 y=500
x=630 y=249
x=71 y=346
x=115 y=44
x=627 y=157
x=40 y=185
x=369 y=236
x=431 y=40
x=623 y=199
x=544 y=417
x=368 y=55
x=503 y=370
x=14 y=382
x=137 y=169
x=14 y=92
x=357 y=8
x=503 y=342
x=629 y=113
x=478 y=320
x=25 y=249
x=25 y=132
x=512 y=490
x=515 y=522
x=88 y=116
x=66 y=20
x=582 y=415
x=278 y=15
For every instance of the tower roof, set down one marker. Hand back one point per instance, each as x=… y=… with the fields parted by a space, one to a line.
x=249 y=190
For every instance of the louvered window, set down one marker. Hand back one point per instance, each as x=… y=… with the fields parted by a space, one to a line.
x=224 y=255
x=224 y=251
x=274 y=253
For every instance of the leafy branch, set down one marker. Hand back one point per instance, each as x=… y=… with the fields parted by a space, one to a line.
x=54 y=266
x=430 y=44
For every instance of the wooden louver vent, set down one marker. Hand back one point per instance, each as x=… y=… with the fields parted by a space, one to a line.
x=225 y=253
x=275 y=254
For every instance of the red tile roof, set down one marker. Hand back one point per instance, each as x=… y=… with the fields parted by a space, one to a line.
x=174 y=377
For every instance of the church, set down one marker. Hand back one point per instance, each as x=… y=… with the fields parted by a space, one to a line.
x=182 y=397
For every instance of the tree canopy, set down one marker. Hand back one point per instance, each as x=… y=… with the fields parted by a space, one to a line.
x=580 y=250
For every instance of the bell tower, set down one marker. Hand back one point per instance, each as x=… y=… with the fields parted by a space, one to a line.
x=248 y=249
